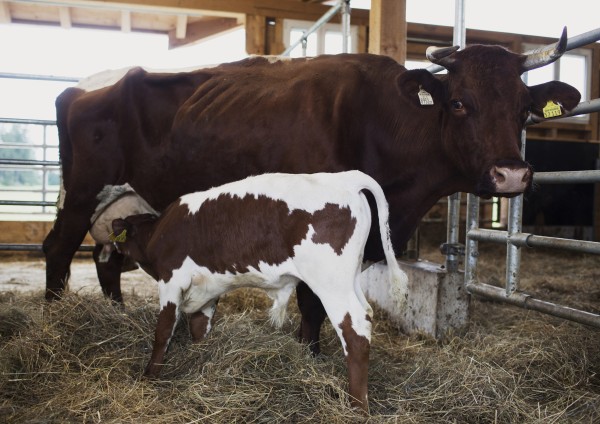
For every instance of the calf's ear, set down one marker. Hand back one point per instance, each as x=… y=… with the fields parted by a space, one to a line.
x=421 y=88
x=559 y=93
x=120 y=229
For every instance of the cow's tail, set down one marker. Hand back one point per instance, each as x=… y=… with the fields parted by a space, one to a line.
x=398 y=278
x=65 y=149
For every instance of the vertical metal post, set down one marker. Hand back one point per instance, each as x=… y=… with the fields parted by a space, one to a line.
x=459 y=34
x=515 y=220
x=452 y=258
x=472 y=246
x=44 y=168
x=345 y=26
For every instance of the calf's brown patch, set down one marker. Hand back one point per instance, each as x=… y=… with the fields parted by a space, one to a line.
x=233 y=234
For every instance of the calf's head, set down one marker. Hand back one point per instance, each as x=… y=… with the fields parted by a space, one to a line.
x=483 y=105
x=131 y=236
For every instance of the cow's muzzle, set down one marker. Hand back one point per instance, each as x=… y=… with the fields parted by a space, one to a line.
x=506 y=180
x=509 y=181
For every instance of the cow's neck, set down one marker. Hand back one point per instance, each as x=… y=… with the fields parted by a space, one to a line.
x=422 y=184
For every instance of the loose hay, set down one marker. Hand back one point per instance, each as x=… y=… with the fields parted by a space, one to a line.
x=81 y=360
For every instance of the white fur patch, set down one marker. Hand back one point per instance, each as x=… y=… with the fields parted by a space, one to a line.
x=309 y=193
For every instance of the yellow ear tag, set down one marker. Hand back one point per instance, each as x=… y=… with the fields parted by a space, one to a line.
x=118 y=239
x=551 y=110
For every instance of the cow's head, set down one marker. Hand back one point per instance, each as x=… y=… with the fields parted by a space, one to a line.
x=483 y=107
x=131 y=235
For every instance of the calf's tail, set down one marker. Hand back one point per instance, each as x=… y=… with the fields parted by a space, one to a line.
x=398 y=278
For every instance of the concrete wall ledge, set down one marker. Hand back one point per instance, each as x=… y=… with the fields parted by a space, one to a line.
x=438 y=303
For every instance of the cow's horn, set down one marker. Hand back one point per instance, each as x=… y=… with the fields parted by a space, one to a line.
x=545 y=55
x=441 y=55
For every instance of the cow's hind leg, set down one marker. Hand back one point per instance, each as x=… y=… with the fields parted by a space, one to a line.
x=313 y=315
x=109 y=273
x=352 y=322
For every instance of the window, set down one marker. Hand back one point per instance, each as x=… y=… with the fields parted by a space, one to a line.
x=573 y=68
x=28 y=133
x=325 y=40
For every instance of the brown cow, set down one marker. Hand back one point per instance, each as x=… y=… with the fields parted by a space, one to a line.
x=171 y=134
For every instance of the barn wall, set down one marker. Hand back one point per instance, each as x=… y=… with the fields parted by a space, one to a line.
x=28 y=232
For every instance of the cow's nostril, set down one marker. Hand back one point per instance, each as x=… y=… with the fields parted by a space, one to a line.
x=499 y=176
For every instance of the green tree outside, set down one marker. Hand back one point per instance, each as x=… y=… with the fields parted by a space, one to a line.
x=17 y=134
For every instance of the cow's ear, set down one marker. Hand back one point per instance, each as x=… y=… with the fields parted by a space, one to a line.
x=120 y=229
x=553 y=94
x=421 y=88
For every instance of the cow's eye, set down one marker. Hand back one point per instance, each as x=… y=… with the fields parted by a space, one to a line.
x=457 y=105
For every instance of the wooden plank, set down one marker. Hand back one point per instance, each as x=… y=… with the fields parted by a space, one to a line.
x=64 y=14
x=202 y=28
x=181 y=27
x=126 y=21
x=4 y=13
x=388 y=28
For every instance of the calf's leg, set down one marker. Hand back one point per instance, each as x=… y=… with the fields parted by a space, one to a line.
x=167 y=320
x=313 y=315
x=352 y=322
x=200 y=321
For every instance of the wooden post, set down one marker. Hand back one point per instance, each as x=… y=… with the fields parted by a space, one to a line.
x=255 y=34
x=387 y=29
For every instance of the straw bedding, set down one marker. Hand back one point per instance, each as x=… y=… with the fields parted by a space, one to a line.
x=81 y=360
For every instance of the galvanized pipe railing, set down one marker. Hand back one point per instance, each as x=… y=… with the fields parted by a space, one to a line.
x=451 y=249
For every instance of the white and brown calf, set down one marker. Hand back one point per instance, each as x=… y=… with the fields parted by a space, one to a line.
x=270 y=231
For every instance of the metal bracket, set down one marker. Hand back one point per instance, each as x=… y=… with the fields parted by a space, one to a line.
x=455 y=249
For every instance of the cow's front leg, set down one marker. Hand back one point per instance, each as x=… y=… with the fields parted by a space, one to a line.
x=60 y=246
x=109 y=272
x=167 y=320
x=313 y=315
x=200 y=321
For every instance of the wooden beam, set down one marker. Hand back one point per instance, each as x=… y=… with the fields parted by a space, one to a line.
x=204 y=28
x=4 y=13
x=181 y=27
x=288 y=9
x=64 y=14
x=274 y=37
x=126 y=21
x=387 y=29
